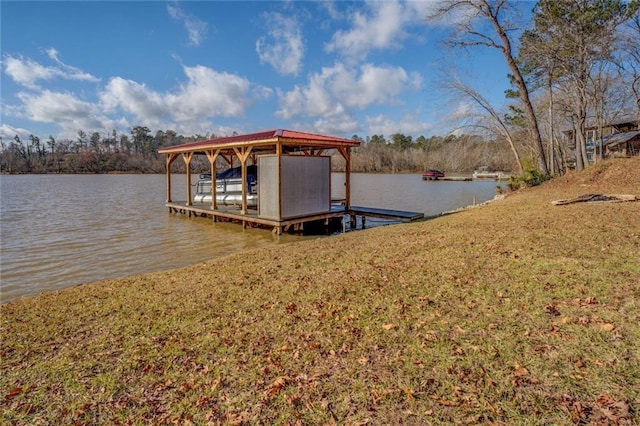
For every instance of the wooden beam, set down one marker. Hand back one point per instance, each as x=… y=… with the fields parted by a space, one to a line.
x=170 y=158
x=228 y=159
x=243 y=154
x=346 y=154
x=187 y=156
x=311 y=152
x=213 y=156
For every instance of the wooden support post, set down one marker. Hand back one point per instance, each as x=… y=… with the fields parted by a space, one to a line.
x=243 y=154
x=346 y=154
x=187 y=156
x=213 y=156
x=169 y=160
x=228 y=159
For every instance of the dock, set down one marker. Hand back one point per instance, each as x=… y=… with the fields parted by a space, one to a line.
x=291 y=171
x=458 y=178
x=250 y=219
x=394 y=215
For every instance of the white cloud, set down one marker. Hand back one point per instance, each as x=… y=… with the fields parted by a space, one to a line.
x=336 y=89
x=210 y=93
x=7 y=133
x=283 y=48
x=379 y=25
x=134 y=98
x=189 y=107
x=206 y=93
x=27 y=72
x=340 y=124
x=408 y=125
x=331 y=9
x=463 y=110
x=63 y=109
x=196 y=28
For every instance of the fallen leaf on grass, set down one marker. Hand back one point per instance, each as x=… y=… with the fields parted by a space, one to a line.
x=14 y=392
x=607 y=327
x=389 y=326
x=278 y=384
x=584 y=320
x=552 y=310
x=614 y=411
x=521 y=371
x=448 y=402
x=409 y=393
x=363 y=360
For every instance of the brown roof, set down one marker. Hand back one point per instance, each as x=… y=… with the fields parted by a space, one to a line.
x=269 y=137
x=619 y=138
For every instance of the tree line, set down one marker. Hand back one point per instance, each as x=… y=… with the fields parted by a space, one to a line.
x=133 y=152
x=136 y=152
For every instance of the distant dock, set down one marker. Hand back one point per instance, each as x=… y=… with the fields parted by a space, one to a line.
x=450 y=178
x=458 y=178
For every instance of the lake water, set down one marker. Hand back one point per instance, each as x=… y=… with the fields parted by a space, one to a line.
x=58 y=231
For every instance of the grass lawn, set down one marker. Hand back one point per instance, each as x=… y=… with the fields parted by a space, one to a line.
x=515 y=312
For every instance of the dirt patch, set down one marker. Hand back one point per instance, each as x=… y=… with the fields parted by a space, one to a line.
x=620 y=174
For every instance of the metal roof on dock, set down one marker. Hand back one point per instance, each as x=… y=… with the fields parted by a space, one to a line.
x=269 y=137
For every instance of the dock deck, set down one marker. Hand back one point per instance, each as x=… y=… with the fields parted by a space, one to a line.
x=400 y=215
x=251 y=218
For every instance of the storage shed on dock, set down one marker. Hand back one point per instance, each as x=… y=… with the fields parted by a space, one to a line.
x=294 y=176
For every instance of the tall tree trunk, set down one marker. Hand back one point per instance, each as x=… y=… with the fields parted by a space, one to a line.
x=551 y=157
x=523 y=93
x=582 y=160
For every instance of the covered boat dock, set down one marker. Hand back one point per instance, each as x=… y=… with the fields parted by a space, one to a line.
x=294 y=178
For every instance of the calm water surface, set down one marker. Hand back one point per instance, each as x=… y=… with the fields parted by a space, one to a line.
x=58 y=231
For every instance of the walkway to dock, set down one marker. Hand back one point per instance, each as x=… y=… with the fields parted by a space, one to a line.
x=251 y=218
x=396 y=215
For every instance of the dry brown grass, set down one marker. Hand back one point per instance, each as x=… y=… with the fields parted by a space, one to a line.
x=514 y=312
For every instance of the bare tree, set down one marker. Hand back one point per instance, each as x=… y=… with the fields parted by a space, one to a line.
x=629 y=58
x=608 y=99
x=491 y=120
x=569 y=39
x=473 y=31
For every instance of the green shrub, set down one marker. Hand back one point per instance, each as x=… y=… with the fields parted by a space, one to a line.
x=530 y=177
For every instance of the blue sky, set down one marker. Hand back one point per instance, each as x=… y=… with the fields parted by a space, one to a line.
x=338 y=68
